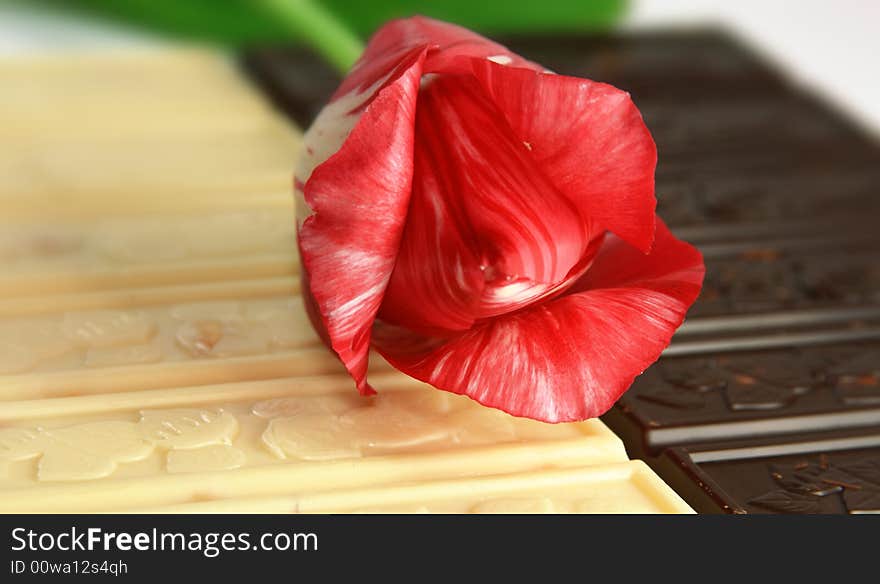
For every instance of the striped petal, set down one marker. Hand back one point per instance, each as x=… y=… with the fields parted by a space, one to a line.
x=588 y=138
x=358 y=200
x=572 y=357
x=487 y=233
x=445 y=46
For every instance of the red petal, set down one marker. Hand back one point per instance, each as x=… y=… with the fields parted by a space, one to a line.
x=487 y=233
x=572 y=357
x=588 y=137
x=445 y=44
x=359 y=197
x=355 y=175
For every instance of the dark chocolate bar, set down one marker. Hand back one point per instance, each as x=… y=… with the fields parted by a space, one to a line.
x=768 y=399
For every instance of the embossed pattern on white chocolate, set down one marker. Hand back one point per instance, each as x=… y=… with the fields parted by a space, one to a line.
x=94 y=450
x=209 y=458
x=155 y=334
x=81 y=452
x=25 y=343
x=392 y=421
x=108 y=328
x=295 y=431
x=188 y=428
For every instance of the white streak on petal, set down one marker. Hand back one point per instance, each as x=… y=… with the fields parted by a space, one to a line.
x=501 y=59
x=326 y=136
x=350 y=308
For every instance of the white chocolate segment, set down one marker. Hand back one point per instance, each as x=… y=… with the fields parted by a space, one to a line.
x=144 y=297
x=103 y=135
x=621 y=487
x=310 y=436
x=75 y=257
x=38 y=349
x=79 y=203
x=154 y=377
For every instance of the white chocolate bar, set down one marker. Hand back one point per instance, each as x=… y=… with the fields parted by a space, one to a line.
x=155 y=355
x=621 y=487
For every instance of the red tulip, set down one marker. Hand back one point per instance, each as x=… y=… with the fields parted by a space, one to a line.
x=488 y=226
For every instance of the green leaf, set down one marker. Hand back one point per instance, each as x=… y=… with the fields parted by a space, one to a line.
x=487 y=16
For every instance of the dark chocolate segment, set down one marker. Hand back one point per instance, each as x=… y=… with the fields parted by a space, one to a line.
x=749 y=396
x=857 y=379
x=734 y=127
x=751 y=205
x=806 y=476
x=770 y=279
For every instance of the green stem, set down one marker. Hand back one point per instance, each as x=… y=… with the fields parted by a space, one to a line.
x=318 y=27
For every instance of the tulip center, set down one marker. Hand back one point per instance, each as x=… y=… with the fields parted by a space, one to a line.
x=504 y=293
x=508 y=293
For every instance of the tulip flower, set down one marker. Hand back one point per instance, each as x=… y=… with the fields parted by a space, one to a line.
x=487 y=226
